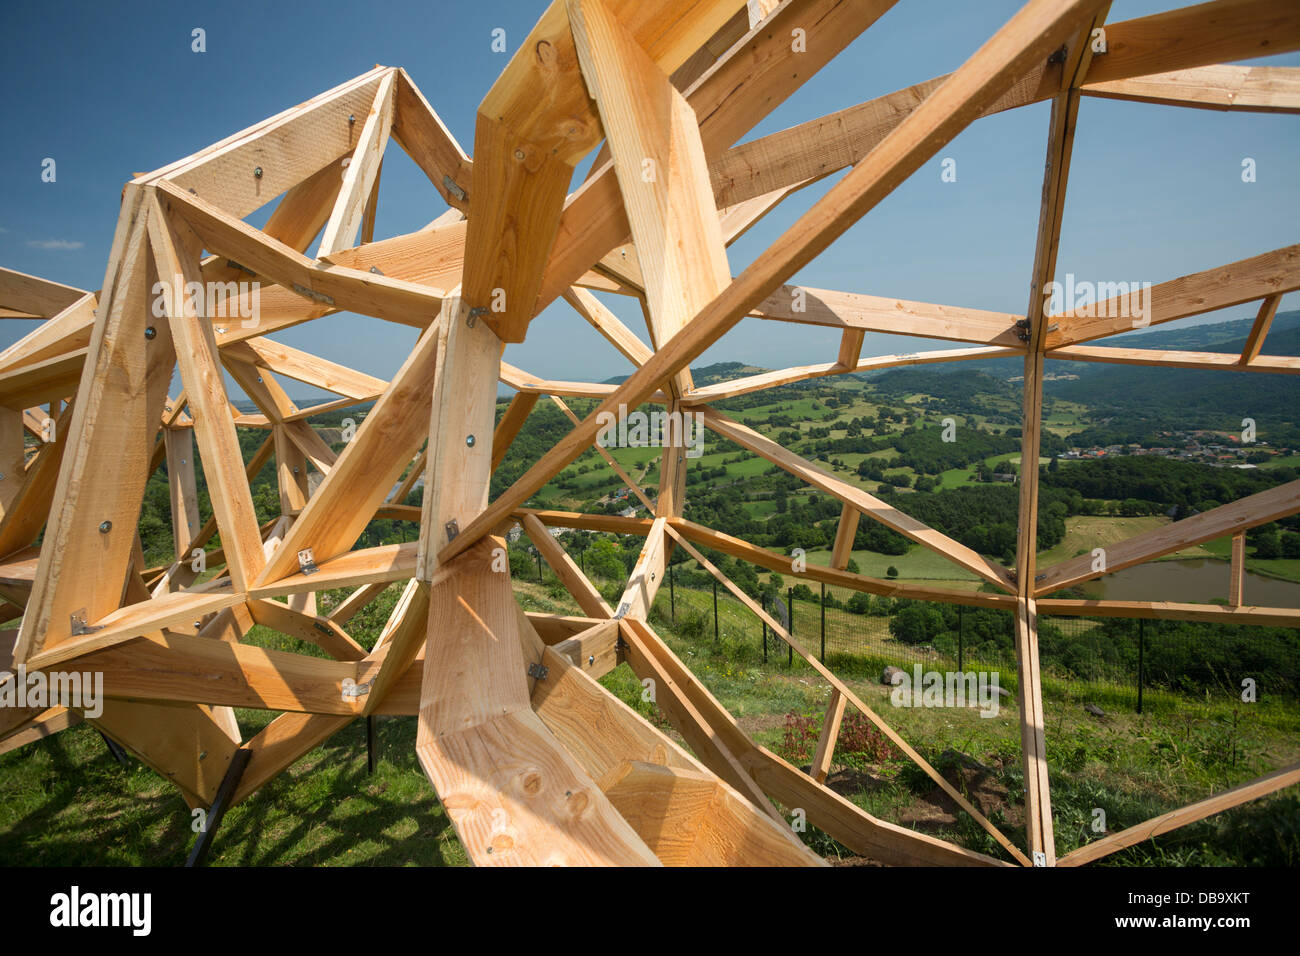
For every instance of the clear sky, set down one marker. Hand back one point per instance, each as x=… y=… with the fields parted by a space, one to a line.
x=110 y=90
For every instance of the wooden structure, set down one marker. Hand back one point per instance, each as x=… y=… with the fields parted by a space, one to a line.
x=533 y=760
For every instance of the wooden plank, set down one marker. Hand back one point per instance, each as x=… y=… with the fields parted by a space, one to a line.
x=647 y=574
x=862 y=502
x=688 y=818
x=1263 y=319
x=607 y=324
x=35 y=296
x=1271 y=273
x=840 y=687
x=425 y=138
x=830 y=732
x=176 y=253
x=512 y=792
x=287 y=149
x=321 y=631
x=992 y=69
x=1171 y=611
x=282 y=743
x=513 y=420
x=1215 y=32
x=338 y=287
x=1269 y=783
x=1254 y=89
x=583 y=591
x=306 y=368
x=1237 y=571
x=1237 y=516
x=184 y=492
x=366 y=469
x=101 y=484
x=754 y=77
x=461 y=419
x=1165 y=358
x=31 y=505
x=363 y=172
x=846 y=531
x=593 y=651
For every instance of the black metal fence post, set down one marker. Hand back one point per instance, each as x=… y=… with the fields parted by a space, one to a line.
x=961 y=621
x=539 y=568
x=672 y=596
x=823 y=657
x=715 y=609
x=1142 y=643
x=789 y=596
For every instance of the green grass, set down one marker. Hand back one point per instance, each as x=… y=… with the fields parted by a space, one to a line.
x=64 y=800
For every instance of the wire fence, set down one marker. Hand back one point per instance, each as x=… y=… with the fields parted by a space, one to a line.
x=1120 y=662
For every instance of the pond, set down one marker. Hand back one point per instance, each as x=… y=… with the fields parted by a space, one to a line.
x=1193 y=580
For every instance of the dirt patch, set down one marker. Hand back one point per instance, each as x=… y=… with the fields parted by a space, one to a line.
x=979 y=783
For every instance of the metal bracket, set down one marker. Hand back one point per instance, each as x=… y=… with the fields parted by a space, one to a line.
x=79 y=625
x=313 y=294
x=1040 y=858
x=453 y=187
x=472 y=319
x=1022 y=329
x=232 y=264
x=351 y=689
x=322 y=627
x=538 y=670
x=307 y=561
x=452 y=529
x=1058 y=56
x=622 y=609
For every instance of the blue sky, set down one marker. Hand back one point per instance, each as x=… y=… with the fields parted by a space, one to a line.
x=111 y=90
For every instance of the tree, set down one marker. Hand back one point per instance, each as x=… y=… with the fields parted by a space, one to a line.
x=891 y=572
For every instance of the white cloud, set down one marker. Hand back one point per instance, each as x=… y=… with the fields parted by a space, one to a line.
x=60 y=244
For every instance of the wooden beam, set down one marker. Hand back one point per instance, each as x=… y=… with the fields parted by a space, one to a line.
x=196 y=353
x=862 y=502
x=1237 y=516
x=945 y=113
x=1271 y=273
x=363 y=172
x=1269 y=783
x=1253 y=89
x=570 y=575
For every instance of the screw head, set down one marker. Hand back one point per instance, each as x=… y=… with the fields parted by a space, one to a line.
x=351 y=119
x=519 y=154
x=105 y=527
x=257 y=172
x=150 y=333
x=469 y=440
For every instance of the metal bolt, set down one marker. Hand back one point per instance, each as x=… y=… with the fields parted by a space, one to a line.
x=2 y=477
x=469 y=440
x=198 y=623
x=351 y=119
x=105 y=527
x=591 y=659
x=150 y=333
x=295 y=469
x=519 y=154
x=257 y=172
x=203 y=754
